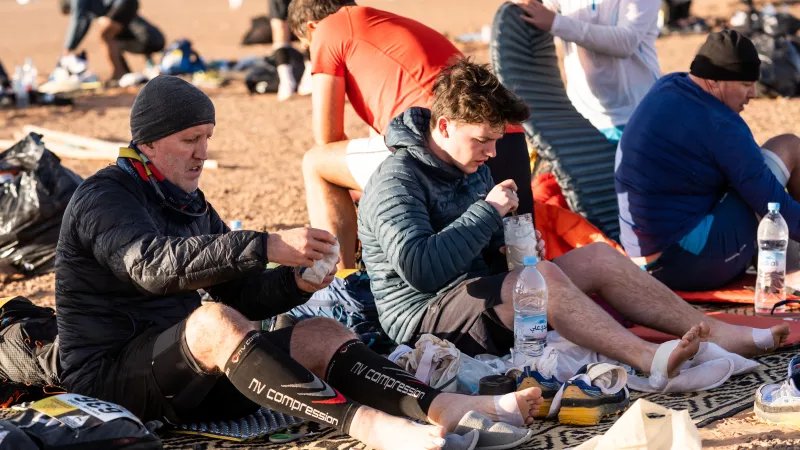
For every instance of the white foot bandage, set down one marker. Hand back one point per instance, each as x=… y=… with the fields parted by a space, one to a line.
x=508 y=409
x=763 y=338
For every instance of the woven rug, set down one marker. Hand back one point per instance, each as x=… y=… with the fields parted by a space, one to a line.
x=705 y=408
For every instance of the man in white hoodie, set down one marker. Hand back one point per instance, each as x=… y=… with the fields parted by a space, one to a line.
x=609 y=54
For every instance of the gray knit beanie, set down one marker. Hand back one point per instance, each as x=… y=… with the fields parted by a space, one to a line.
x=167 y=105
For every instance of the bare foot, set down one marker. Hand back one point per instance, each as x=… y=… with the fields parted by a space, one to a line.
x=448 y=409
x=381 y=431
x=687 y=348
x=738 y=339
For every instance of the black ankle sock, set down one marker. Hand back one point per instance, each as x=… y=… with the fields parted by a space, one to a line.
x=268 y=376
x=373 y=380
x=282 y=56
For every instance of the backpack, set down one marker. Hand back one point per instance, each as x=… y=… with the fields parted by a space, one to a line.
x=29 y=364
x=260 y=32
x=180 y=59
x=263 y=78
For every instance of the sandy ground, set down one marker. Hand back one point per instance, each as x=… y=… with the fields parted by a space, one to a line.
x=259 y=142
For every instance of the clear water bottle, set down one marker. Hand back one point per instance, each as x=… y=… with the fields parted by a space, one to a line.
x=20 y=91
x=773 y=238
x=235 y=225
x=530 y=312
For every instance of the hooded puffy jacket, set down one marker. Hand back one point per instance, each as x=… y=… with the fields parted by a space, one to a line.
x=424 y=227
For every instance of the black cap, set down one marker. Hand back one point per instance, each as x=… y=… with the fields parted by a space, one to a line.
x=727 y=56
x=167 y=105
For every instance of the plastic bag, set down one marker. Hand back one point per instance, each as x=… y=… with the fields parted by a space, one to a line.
x=434 y=361
x=34 y=191
x=471 y=371
x=648 y=426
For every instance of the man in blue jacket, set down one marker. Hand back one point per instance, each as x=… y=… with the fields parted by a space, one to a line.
x=430 y=224
x=691 y=179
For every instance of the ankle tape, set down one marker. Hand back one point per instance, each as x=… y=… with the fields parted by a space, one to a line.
x=763 y=338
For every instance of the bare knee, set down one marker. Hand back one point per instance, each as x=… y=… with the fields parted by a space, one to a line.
x=213 y=332
x=315 y=341
x=786 y=146
x=310 y=163
x=552 y=273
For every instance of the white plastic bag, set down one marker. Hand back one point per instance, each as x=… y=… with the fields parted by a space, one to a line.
x=433 y=361
x=671 y=430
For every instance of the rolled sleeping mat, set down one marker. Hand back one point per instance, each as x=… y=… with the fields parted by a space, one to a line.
x=582 y=159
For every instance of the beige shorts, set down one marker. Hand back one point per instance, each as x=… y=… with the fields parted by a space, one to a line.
x=363 y=156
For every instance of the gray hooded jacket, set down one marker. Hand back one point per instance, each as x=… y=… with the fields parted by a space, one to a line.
x=424 y=226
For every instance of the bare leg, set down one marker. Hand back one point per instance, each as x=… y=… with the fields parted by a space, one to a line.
x=330 y=207
x=108 y=32
x=315 y=341
x=787 y=148
x=581 y=321
x=598 y=268
x=214 y=331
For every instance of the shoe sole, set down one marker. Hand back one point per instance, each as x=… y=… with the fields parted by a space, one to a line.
x=788 y=418
x=586 y=415
x=544 y=409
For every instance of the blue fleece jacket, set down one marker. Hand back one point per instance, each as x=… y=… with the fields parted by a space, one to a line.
x=681 y=151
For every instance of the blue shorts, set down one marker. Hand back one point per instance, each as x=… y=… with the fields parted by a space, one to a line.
x=728 y=250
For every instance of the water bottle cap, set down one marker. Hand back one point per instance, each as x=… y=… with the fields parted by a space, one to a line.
x=530 y=260
x=774 y=206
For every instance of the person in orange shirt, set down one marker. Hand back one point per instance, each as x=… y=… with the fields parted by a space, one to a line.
x=382 y=64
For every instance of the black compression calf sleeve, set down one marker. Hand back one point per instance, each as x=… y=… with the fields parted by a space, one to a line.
x=373 y=380
x=269 y=377
x=282 y=56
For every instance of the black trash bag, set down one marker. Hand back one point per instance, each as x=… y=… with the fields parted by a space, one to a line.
x=34 y=191
x=260 y=32
x=262 y=78
x=73 y=421
x=775 y=39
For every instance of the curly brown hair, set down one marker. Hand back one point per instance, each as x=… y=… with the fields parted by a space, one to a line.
x=303 y=11
x=468 y=92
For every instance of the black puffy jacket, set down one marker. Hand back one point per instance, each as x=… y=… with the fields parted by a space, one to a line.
x=125 y=263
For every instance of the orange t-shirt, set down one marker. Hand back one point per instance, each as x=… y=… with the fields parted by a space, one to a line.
x=389 y=62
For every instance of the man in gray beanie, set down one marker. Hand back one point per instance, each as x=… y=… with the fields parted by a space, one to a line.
x=692 y=181
x=139 y=239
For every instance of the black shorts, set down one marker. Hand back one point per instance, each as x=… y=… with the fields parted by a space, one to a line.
x=465 y=316
x=123 y=11
x=156 y=378
x=278 y=9
x=513 y=163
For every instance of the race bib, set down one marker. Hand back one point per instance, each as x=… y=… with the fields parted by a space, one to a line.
x=79 y=411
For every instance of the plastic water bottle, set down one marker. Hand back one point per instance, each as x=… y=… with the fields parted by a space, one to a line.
x=773 y=238
x=20 y=91
x=235 y=225
x=530 y=312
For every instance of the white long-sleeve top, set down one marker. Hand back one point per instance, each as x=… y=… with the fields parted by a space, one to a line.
x=610 y=55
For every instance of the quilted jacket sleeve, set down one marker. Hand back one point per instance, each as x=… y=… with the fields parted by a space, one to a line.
x=264 y=294
x=425 y=259
x=116 y=227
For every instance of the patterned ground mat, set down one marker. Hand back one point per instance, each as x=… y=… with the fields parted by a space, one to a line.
x=706 y=407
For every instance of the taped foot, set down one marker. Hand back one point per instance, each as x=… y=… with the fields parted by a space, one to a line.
x=750 y=342
x=515 y=408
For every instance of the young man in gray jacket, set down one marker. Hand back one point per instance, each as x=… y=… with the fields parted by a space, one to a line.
x=430 y=223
